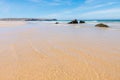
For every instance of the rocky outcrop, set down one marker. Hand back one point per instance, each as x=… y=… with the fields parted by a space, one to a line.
x=57 y=23
x=82 y=21
x=73 y=22
x=102 y=25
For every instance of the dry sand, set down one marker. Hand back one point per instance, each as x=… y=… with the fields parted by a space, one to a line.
x=59 y=52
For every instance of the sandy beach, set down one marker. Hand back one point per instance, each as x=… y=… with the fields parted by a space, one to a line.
x=11 y=23
x=46 y=51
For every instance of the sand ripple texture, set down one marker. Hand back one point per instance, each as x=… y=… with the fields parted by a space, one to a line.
x=59 y=52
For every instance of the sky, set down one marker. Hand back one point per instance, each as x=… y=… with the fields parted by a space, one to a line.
x=60 y=9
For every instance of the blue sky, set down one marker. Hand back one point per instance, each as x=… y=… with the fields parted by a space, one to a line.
x=60 y=9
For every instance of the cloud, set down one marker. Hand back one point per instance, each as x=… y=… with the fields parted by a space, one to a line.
x=105 y=11
x=67 y=8
x=89 y=1
x=100 y=14
x=35 y=0
x=86 y=11
x=52 y=2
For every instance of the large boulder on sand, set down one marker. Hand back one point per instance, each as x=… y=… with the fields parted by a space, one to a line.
x=82 y=21
x=73 y=22
x=102 y=25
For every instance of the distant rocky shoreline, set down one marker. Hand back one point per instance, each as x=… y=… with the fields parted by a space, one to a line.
x=26 y=19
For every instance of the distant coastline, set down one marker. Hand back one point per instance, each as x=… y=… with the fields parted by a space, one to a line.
x=26 y=19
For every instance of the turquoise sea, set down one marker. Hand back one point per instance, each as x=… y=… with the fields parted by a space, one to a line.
x=93 y=21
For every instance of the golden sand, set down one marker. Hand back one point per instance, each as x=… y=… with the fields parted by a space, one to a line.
x=56 y=52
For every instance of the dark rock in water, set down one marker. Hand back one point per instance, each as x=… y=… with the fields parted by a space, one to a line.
x=102 y=25
x=57 y=23
x=82 y=21
x=73 y=22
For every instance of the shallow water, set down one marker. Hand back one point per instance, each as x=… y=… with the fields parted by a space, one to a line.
x=46 y=51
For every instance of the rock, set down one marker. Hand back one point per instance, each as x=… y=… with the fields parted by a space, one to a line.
x=102 y=25
x=73 y=22
x=57 y=23
x=82 y=21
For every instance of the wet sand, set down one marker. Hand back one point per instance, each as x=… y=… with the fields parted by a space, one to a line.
x=59 y=52
x=11 y=23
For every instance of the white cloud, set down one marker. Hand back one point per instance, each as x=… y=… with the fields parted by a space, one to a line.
x=89 y=1
x=101 y=14
x=84 y=11
x=52 y=2
x=105 y=11
x=35 y=0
